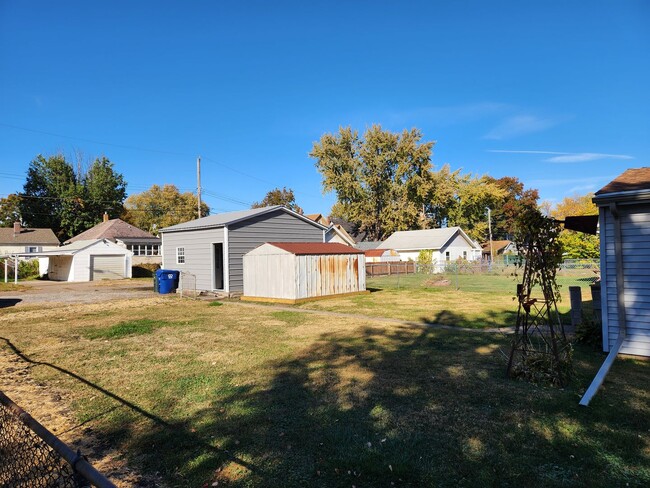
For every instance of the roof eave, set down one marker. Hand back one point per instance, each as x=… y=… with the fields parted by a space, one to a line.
x=630 y=196
x=242 y=219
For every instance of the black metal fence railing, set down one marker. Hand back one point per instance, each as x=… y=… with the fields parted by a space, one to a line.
x=31 y=456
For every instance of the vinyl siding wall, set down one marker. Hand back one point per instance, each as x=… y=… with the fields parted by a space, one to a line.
x=198 y=253
x=455 y=249
x=635 y=227
x=276 y=226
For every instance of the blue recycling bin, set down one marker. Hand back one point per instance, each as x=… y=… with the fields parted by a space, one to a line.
x=167 y=280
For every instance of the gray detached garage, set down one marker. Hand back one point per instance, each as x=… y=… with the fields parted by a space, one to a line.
x=89 y=260
x=212 y=248
x=291 y=272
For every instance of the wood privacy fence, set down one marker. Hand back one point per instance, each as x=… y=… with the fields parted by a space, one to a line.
x=390 y=268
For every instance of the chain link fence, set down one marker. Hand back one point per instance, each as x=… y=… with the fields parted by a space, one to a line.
x=187 y=285
x=33 y=457
x=470 y=275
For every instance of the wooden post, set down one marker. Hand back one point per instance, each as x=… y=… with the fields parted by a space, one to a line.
x=575 y=294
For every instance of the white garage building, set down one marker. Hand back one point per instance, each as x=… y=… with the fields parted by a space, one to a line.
x=91 y=260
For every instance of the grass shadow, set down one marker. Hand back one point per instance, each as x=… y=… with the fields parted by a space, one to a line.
x=9 y=302
x=402 y=407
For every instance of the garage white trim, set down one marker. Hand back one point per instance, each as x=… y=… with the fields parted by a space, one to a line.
x=88 y=260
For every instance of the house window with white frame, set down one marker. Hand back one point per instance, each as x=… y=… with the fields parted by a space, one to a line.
x=465 y=255
x=447 y=256
x=180 y=255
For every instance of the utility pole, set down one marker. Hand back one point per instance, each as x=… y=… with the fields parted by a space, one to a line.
x=490 y=234
x=198 y=183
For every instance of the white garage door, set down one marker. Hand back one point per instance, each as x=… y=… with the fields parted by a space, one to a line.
x=106 y=267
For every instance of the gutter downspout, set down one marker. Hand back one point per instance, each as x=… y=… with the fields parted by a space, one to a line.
x=620 y=305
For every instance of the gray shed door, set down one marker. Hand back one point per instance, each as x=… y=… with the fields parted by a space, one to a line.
x=106 y=267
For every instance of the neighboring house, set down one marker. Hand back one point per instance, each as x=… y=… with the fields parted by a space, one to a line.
x=352 y=229
x=212 y=248
x=25 y=241
x=337 y=234
x=448 y=244
x=367 y=245
x=91 y=260
x=624 y=207
x=381 y=255
x=22 y=240
x=498 y=248
x=144 y=246
x=320 y=218
x=292 y=272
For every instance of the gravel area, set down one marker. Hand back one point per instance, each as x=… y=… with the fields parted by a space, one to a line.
x=39 y=292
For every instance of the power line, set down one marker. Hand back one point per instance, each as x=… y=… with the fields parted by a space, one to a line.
x=122 y=146
x=136 y=148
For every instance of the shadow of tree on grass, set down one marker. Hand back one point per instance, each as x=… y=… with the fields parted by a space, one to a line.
x=404 y=407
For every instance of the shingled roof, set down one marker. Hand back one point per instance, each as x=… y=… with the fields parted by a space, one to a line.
x=632 y=180
x=43 y=237
x=111 y=230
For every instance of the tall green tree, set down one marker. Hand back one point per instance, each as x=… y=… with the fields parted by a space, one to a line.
x=100 y=189
x=51 y=183
x=162 y=206
x=516 y=200
x=474 y=195
x=56 y=197
x=441 y=197
x=279 y=196
x=381 y=180
x=577 y=245
x=9 y=210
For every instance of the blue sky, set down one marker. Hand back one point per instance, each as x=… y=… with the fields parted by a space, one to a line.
x=553 y=92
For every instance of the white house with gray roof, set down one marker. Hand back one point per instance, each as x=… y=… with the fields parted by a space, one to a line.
x=212 y=248
x=448 y=244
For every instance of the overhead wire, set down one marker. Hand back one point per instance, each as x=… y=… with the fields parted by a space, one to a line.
x=208 y=193
x=137 y=148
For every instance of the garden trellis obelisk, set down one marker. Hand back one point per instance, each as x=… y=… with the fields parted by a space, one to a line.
x=540 y=351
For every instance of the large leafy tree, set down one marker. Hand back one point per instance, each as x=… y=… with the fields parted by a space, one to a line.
x=515 y=202
x=381 y=180
x=279 y=196
x=577 y=245
x=161 y=206
x=474 y=195
x=9 y=210
x=56 y=197
x=50 y=185
x=100 y=189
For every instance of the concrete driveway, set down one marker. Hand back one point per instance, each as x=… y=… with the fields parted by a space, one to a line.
x=39 y=292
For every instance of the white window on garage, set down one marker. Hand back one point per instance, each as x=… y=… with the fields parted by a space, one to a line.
x=180 y=255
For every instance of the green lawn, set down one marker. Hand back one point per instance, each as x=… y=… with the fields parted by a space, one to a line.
x=466 y=300
x=252 y=396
